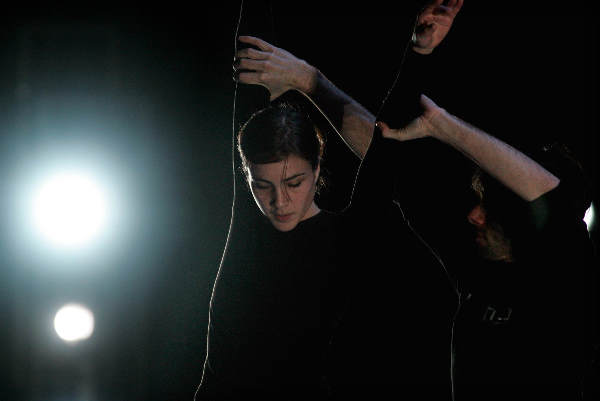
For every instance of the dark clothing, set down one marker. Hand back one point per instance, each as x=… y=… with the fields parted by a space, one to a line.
x=393 y=341
x=276 y=299
x=523 y=328
x=351 y=306
x=360 y=281
x=272 y=309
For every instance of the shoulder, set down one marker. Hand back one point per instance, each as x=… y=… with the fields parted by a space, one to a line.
x=561 y=206
x=323 y=220
x=573 y=195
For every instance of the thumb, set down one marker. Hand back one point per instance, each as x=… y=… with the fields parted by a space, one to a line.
x=388 y=132
x=413 y=130
x=385 y=129
x=426 y=102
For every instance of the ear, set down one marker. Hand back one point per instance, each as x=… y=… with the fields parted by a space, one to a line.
x=317 y=172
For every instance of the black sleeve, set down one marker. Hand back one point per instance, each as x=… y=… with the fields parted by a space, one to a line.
x=561 y=263
x=402 y=104
x=381 y=170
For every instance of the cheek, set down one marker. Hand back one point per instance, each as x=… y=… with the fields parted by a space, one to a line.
x=262 y=199
x=308 y=194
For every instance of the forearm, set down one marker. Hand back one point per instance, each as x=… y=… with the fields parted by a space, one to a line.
x=353 y=122
x=356 y=122
x=521 y=174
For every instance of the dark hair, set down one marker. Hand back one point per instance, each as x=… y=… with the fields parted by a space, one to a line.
x=502 y=206
x=277 y=131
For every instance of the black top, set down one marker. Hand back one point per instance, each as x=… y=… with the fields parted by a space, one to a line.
x=358 y=289
x=360 y=280
x=523 y=329
x=394 y=339
x=272 y=308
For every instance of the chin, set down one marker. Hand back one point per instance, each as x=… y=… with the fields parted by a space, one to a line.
x=287 y=226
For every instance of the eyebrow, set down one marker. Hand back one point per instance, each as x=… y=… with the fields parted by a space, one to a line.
x=287 y=179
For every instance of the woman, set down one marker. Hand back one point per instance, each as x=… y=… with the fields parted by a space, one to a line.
x=279 y=287
x=307 y=304
x=289 y=274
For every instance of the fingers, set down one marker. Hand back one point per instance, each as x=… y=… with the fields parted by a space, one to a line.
x=244 y=57
x=437 y=12
x=252 y=78
x=252 y=53
x=261 y=44
x=437 y=7
x=432 y=5
x=413 y=130
x=453 y=6
x=250 y=58
x=382 y=126
x=441 y=16
x=426 y=102
x=248 y=64
x=431 y=110
x=457 y=5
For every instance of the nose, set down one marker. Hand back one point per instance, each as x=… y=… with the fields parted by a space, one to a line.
x=477 y=216
x=280 y=198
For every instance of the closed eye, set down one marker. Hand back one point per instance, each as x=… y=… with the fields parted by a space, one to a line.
x=294 y=184
x=260 y=185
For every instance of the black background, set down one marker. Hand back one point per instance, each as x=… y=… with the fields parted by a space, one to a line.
x=156 y=85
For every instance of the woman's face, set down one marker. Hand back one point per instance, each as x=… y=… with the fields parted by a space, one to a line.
x=285 y=191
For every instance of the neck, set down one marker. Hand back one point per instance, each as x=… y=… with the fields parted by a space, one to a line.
x=313 y=210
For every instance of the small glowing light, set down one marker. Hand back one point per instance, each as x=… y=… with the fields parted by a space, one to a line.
x=589 y=217
x=74 y=322
x=69 y=209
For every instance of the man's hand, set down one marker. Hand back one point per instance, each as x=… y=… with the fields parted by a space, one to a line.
x=272 y=67
x=420 y=127
x=434 y=23
x=514 y=169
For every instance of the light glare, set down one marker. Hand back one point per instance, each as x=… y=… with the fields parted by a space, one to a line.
x=74 y=322
x=589 y=217
x=69 y=209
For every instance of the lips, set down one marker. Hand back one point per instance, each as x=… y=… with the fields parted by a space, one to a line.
x=282 y=218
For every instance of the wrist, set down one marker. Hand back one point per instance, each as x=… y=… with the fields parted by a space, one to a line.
x=307 y=81
x=440 y=124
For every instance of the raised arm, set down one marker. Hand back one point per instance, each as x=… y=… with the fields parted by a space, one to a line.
x=521 y=174
x=279 y=71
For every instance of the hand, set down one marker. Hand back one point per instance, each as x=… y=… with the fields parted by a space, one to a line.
x=272 y=67
x=434 y=23
x=420 y=127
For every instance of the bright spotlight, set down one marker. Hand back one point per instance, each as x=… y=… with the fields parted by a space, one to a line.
x=590 y=216
x=74 y=322
x=69 y=209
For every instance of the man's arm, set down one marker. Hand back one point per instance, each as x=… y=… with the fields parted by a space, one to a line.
x=521 y=174
x=279 y=71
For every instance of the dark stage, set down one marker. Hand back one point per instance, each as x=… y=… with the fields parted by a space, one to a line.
x=143 y=98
